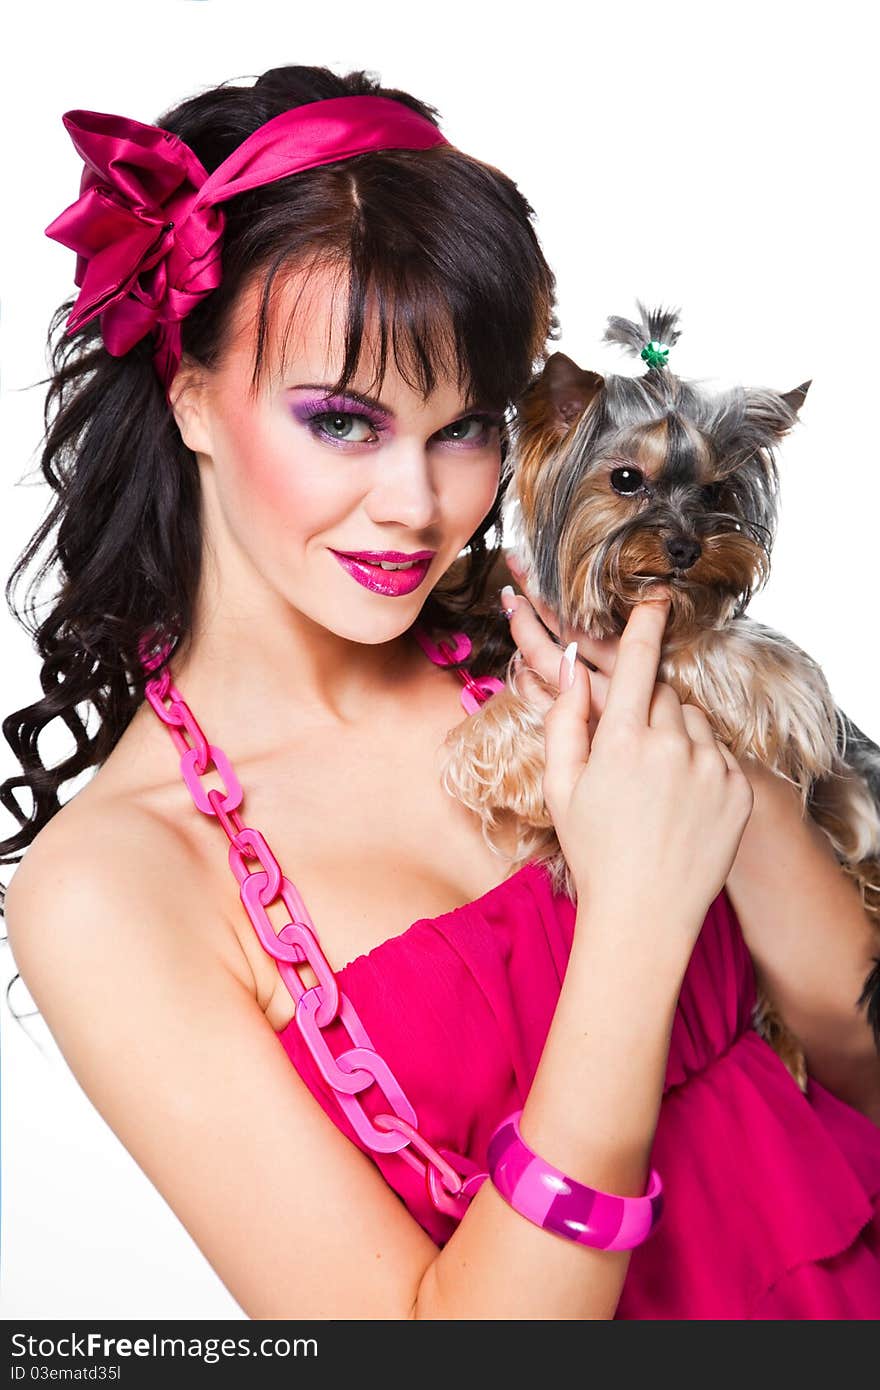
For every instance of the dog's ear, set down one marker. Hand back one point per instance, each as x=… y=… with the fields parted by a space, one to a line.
x=567 y=388
x=795 y=399
x=767 y=415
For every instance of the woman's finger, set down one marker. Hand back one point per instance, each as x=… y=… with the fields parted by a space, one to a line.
x=701 y=731
x=631 y=687
x=666 y=709
x=566 y=731
x=522 y=579
x=543 y=610
x=599 y=652
x=539 y=658
x=697 y=724
x=539 y=650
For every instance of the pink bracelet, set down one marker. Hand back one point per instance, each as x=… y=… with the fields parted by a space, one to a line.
x=557 y=1203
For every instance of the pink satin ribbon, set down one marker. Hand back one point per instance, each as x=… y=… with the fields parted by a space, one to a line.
x=147 y=228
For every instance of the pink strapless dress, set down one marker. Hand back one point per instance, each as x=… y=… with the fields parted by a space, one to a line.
x=772 y=1197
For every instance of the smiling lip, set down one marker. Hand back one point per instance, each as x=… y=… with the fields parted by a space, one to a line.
x=396 y=557
x=363 y=565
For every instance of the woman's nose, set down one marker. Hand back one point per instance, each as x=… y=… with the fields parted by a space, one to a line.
x=404 y=490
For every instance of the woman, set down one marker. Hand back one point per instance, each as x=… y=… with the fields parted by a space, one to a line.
x=342 y=390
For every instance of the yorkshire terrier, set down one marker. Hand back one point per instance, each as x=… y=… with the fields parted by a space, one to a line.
x=621 y=483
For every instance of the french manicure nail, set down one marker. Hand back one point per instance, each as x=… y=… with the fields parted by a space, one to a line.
x=566 y=666
x=508 y=601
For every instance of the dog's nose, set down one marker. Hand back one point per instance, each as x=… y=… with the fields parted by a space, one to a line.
x=683 y=551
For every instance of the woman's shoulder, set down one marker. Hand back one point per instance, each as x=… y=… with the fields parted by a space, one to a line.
x=106 y=880
x=91 y=832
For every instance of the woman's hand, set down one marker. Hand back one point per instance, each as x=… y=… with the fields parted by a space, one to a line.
x=541 y=654
x=600 y=653
x=649 y=809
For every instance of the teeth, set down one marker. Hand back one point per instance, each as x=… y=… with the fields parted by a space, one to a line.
x=407 y=565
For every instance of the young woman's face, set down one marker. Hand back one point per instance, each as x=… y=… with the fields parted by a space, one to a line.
x=295 y=477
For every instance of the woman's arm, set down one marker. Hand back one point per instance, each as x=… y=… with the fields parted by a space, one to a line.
x=152 y=1009
x=809 y=937
x=801 y=917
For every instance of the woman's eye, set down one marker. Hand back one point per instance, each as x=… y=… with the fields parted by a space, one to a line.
x=337 y=424
x=626 y=481
x=347 y=427
x=463 y=431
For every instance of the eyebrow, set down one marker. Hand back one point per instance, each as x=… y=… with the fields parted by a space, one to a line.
x=370 y=401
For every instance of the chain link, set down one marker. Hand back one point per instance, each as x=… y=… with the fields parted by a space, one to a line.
x=359 y=1067
x=475 y=692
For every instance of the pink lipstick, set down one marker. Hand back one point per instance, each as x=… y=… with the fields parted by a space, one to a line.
x=366 y=566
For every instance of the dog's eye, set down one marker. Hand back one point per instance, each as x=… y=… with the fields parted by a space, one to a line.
x=626 y=481
x=712 y=494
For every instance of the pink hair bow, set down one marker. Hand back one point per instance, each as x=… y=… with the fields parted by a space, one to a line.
x=146 y=227
x=145 y=254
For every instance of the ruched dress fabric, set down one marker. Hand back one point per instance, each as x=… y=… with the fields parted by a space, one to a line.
x=772 y=1197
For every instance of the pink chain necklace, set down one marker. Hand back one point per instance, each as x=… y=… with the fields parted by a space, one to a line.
x=451 y=1179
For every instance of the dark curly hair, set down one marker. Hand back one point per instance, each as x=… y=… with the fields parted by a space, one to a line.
x=443 y=240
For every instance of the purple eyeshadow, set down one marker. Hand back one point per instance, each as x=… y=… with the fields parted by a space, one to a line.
x=307 y=409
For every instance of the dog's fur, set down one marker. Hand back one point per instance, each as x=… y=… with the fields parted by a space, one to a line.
x=619 y=483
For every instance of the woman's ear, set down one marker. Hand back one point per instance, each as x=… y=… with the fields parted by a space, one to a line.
x=189 y=403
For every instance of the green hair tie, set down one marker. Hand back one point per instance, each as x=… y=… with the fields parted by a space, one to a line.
x=655 y=354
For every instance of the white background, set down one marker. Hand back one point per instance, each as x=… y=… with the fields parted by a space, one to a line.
x=722 y=160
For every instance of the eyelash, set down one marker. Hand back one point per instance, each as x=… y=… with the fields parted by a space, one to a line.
x=312 y=421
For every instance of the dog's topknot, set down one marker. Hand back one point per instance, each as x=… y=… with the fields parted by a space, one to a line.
x=653 y=325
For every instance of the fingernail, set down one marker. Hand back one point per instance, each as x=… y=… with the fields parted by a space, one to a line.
x=508 y=601
x=566 y=666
